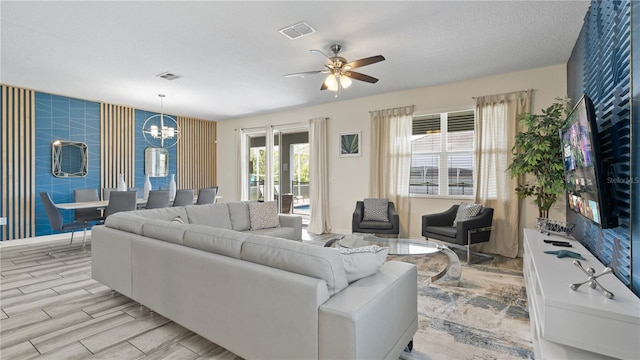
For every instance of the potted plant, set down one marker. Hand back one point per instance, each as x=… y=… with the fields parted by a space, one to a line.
x=537 y=151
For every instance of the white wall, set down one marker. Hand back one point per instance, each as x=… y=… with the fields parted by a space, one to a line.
x=352 y=174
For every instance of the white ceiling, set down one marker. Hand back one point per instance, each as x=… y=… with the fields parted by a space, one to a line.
x=233 y=58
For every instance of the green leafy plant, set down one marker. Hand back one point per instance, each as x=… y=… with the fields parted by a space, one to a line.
x=538 y=152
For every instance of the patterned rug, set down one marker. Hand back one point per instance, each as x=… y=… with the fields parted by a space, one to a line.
x=485 y=317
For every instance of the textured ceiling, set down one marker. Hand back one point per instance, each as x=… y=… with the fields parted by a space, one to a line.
x=233 y=58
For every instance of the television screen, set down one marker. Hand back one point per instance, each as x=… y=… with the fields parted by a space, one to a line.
x=585 y=180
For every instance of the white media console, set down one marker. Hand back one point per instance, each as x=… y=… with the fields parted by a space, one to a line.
x=582 y=324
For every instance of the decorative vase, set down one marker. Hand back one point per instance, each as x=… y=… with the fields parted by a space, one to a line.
x=122 y=186
x=147 y=187
x=172 y=187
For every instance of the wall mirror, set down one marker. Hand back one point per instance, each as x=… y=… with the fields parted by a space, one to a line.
x=156 y=162
x=69 y=159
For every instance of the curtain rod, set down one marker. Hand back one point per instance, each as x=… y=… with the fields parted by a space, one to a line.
x=507 y=93
x=399 y=107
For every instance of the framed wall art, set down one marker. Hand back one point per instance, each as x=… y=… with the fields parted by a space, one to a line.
x=350 y=144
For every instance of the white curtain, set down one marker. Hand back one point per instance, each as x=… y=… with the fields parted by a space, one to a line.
x=496 y=128
x=391 y=159
x=320 y=219
x=241 y=163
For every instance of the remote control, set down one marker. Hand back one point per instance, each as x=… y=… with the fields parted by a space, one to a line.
x=563 y=244
x=554 y=242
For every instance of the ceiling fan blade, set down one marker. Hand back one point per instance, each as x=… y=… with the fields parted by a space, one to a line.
x=363 y=62
x=307 y=73
x=324 y=59
x=360 y=76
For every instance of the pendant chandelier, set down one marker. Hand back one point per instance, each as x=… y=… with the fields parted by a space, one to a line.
x=161 y=129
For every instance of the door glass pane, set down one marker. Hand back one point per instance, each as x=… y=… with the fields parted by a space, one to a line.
x=257 y=160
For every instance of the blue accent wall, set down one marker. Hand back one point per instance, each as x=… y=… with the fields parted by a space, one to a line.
x=600 y=66
x=635 y=165
x=157 y=182
x=64 y=118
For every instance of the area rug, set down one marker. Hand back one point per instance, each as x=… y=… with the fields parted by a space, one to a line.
x=485 y=317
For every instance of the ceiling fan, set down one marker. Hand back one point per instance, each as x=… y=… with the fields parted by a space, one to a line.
x=339 y=69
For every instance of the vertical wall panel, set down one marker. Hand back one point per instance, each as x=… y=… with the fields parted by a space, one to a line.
x=606 y=71
x=117 y=151
x=18 y=146
x=196 y=153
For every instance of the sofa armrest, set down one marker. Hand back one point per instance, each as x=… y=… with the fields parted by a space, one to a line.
x=358 y=215
x=373 y=318
x=394 y=218
x=293 y=221
x=482 y=220
x=440 y=219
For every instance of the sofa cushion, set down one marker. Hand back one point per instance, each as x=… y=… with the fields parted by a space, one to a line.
x=166 y=213
x=283 y=232
x=263 y=215
x=300 y=258
x=467 y=211
x=376 y=225
x=376 y=209
x=215 y=240
x=362 y=261
x=125 y=221
x=164 y=230
x=239 y=215
x=216 y=215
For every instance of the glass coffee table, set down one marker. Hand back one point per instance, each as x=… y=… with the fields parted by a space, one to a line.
x=450 y=275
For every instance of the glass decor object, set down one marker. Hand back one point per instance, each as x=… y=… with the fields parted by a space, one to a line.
x=147 y=187
x=156 y=162
x=172 y=187
x=122 y=186
x=69 y=159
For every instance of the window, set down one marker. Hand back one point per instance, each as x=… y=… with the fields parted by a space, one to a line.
x=442 y=154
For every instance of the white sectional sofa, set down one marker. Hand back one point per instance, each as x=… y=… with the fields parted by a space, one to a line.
x=259 y=296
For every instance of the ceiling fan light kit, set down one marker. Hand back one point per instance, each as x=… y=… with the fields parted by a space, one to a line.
x=339 y=70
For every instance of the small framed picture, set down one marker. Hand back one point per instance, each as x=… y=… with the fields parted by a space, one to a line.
x=349 y=144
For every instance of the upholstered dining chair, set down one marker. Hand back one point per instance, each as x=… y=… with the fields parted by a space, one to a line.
x=86 y=215
x=106 y=192
x=207 y=195
x=460 y=228
x=157 y=199
x=184 y=197
x=120 y=201
x=56 y=219
x=376 y=216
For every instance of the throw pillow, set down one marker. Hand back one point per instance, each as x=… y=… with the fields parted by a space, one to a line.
x=178 y=219
x=376 y=209
x=467 y=211
x=363 y=261
x=263 y=215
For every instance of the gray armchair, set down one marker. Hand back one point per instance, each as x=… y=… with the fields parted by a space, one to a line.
x=474 y=230
x=360 y=225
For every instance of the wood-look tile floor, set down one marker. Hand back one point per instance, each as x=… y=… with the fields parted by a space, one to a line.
x=51 y=308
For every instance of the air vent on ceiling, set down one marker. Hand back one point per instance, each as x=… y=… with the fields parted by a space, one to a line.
x=169 y=75
x=297 y=31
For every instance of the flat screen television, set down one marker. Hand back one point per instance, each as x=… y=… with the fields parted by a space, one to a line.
x=587 y=190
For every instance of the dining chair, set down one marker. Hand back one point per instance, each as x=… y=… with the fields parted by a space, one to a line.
x=90 y=214
x=157 y=199
x=57 y=222
x=120 y=201
x=106 y=192
x=207 y=195
x=184 y=197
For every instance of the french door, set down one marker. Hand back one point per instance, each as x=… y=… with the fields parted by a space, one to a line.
x=277 y=165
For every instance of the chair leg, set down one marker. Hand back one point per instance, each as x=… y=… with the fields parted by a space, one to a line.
x=84 y=238
x=71 y=242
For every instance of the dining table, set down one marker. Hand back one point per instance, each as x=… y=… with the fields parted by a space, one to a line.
x=98 y=204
